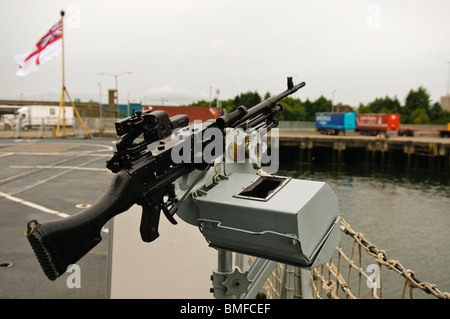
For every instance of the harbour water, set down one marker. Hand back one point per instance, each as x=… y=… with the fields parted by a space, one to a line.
x=404 y=212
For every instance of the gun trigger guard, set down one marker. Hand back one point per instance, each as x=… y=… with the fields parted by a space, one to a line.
x=151 y=212
x=168 y=214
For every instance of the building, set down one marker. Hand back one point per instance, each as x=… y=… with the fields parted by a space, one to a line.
x=445 y=102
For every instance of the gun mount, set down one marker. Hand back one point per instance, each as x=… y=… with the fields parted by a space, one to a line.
x=212 y=175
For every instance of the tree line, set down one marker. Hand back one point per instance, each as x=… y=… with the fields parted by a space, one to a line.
x=416 y=109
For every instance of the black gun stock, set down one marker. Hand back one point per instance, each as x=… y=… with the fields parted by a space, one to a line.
x=60 y=243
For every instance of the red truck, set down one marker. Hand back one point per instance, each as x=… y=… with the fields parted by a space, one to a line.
x=374 y=124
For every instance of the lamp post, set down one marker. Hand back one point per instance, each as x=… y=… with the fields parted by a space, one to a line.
x=332 y=100
x=117 y=82
x=99 y=100
x=447 y=98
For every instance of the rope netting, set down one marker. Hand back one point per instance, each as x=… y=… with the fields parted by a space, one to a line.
x=335 y=279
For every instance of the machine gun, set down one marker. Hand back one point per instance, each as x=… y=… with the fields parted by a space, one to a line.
x=145 y=175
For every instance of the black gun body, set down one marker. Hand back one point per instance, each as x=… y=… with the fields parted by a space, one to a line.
x=145 y=173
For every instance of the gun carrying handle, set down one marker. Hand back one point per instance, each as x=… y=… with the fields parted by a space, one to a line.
x=60 y=243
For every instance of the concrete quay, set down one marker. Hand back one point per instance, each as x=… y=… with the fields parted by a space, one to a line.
x=428 y=151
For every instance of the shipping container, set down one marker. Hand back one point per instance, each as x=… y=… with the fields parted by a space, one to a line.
x=333 y=123
x=374 y=124
x=194 y=112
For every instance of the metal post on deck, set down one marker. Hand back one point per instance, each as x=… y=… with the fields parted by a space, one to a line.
x=303 y=284
x=18 y=127
x=224 y=267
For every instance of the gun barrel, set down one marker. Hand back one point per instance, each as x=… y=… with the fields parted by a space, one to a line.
x=241 y=114
x=269 y=102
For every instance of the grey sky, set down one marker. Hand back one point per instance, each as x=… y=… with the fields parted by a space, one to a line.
x=179 y=49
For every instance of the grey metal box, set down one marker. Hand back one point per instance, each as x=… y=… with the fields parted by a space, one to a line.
x=278 y=218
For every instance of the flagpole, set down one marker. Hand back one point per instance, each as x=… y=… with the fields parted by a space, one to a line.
x=61 y=101
x=64 y=91
x=63 y=73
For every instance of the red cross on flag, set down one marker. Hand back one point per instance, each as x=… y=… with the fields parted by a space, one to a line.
x=48 y=47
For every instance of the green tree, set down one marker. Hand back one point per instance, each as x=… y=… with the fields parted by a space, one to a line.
x=363 y=109
x=436 y=113
x=381 y=105
x=377 y=105
x=248 y=99
x=293 y=110
x=322 y=104
x=417 y=108
x=419 y=99
x=419 y=116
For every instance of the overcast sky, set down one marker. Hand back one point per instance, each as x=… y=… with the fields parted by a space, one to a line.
x=177 y=50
